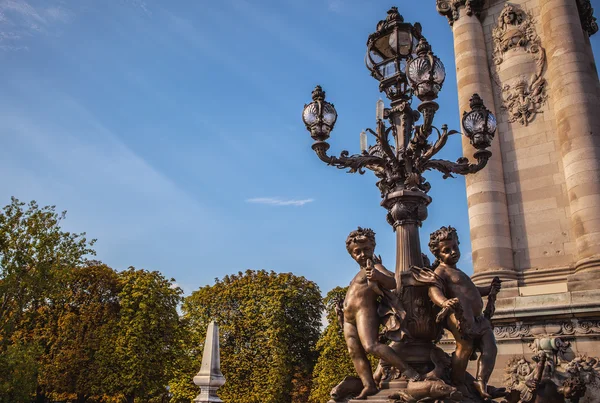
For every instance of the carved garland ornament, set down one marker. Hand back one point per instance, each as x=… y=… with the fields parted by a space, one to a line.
x=567 y=328
x=515 y=31
x=450 y=8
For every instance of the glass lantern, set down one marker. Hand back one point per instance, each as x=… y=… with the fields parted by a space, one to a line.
x=426 y=73
x=319 y=116
x=388 y=50
x=479 y=124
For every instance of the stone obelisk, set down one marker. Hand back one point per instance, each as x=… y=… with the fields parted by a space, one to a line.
x=210 y=378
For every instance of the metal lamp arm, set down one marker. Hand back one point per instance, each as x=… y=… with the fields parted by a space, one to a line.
x=382 y=139
x=461 y=167
x=354 y=163
x=440 y=143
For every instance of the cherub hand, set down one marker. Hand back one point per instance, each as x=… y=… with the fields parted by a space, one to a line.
x=532 y=384
x=451 y=303
x=496 y=285
x=370 y=271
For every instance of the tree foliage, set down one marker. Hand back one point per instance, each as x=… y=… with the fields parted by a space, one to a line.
x=269 y=325
x=33 y=250
x=75 y=329
x=78 y=331
x=18 y=372
x=35 y=253
x=146 y=342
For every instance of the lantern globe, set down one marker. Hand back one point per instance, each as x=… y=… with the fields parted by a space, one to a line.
x=319 y=116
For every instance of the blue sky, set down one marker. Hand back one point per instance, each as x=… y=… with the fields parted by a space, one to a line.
x=171 y=131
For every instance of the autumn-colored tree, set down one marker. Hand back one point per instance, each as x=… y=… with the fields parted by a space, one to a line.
x=269 y=325
x=34 y=250
x=78 y=331
x=35 y=253
x=147 y=335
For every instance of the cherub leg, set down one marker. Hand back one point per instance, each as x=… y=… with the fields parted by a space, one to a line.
x=367 y=324
x=460 y=359
x=360 y=361
x=486 y=362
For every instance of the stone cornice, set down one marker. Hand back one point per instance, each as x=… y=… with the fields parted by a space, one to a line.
x=450 y=8
x=586 y=13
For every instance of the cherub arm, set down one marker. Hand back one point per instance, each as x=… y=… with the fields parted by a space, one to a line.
x=494 y=287
x=437 y=296
x=484 y=291
x=381 y=275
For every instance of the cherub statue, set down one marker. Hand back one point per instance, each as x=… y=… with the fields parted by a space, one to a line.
x=360 y=312
x=460 y=299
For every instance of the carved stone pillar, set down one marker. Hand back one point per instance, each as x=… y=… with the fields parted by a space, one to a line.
x=488 y=212
x=575 y=93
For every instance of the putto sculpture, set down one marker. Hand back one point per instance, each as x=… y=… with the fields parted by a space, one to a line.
x=471 y=327
x=361 y=308
x=371 y=302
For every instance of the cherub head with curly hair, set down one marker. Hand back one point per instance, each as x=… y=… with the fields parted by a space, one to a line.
x=443 y=243
x=361 y=245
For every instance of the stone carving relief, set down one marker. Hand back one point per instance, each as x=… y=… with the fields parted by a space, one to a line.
x=517 y=375
x=515 y=37
x=451 y=8
x=566 y=328
x=554 y=367
x=511 y=331
x=586 y=14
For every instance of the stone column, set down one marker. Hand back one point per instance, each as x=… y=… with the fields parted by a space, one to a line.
x=575 y=94
x=486 y=194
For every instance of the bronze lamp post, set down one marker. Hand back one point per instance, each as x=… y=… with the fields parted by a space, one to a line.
x=401 y=59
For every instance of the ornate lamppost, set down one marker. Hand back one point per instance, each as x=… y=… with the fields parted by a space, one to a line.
x=401 y=59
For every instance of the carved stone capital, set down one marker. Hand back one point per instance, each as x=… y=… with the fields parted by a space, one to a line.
x=451 y=8
x=586 y=13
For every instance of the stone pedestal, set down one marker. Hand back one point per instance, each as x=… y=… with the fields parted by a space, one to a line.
x=571 y=315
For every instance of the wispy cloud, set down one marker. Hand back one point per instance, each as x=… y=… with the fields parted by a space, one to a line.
x=335 y=6
x=141 y=4
x=62 y=154
x=20 y=20
x=276 y=201
x=282 y=27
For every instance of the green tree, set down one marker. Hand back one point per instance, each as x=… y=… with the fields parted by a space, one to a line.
x=35 y=253
x=18 y=369
x=147 y=335
x=269 y=325
x=78 y=331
